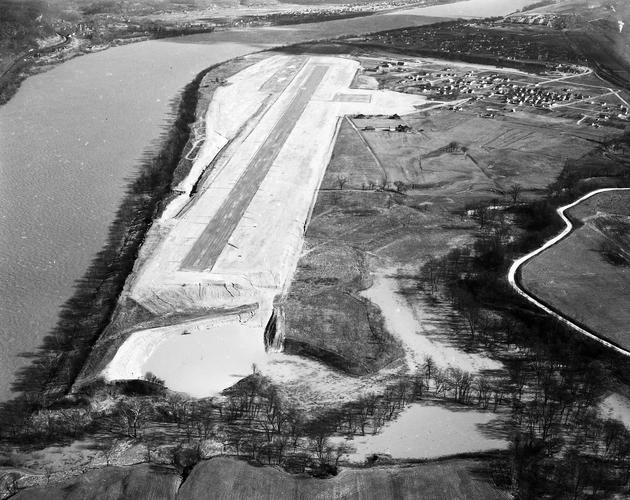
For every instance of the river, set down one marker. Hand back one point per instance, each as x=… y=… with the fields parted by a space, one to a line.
x=71 y=139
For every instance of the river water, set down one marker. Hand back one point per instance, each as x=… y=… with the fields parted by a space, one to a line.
x=71 y=139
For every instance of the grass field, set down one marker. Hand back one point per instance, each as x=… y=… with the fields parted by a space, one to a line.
x=576 y=277
x=139 y=482
x=448 y=480
x=404 y=199
x=226 y=478
x=490 y=154
x=352 y=160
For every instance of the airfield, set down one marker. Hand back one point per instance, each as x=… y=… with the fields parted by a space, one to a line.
x=233 y=236
x=225 y=250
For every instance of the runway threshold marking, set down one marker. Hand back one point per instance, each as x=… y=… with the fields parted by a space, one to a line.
x=208 y=247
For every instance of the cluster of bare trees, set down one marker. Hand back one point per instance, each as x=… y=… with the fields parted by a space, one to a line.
x=383 y=184
x=44 y=426
x=561 y=442
x=370 y=413
x=466 y=388
x=253 y=421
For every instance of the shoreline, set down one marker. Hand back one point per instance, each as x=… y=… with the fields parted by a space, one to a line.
x=20 y=70
x=89 y=310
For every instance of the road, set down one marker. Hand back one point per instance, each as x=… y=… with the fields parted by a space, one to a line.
x=21 y=59
x=513 y=273
x=215 y=236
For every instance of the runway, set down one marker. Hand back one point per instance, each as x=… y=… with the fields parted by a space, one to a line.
x=215 y=236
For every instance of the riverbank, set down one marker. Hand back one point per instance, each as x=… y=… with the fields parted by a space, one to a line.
x=81 y=42
x=89 y=310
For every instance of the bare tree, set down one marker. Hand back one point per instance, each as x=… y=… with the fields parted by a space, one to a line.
x=340 y=450
x=418 y=386
x=364 y=408
x=469 y=308
x=484 y=391
x=480 y=214
x=341 y=181
x=432 y=273
x=429 y=369
x=129 y=417
x=461 y=383
x=515 y=192
x=401 y=187
x=441 y=382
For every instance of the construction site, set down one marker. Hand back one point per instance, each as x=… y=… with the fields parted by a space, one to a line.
x=228 y=244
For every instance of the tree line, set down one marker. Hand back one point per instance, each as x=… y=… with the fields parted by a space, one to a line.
x=562 y=446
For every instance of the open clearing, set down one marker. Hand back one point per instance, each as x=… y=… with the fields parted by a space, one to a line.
x=580 y=277
x=403 y=321
x=430 y=431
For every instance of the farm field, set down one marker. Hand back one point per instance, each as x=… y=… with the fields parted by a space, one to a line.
x=140 y=482
x=586 y=276
x=454 y=479
x=233 y=479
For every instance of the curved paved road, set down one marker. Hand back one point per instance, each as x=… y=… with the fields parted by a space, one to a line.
x=512 y=273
